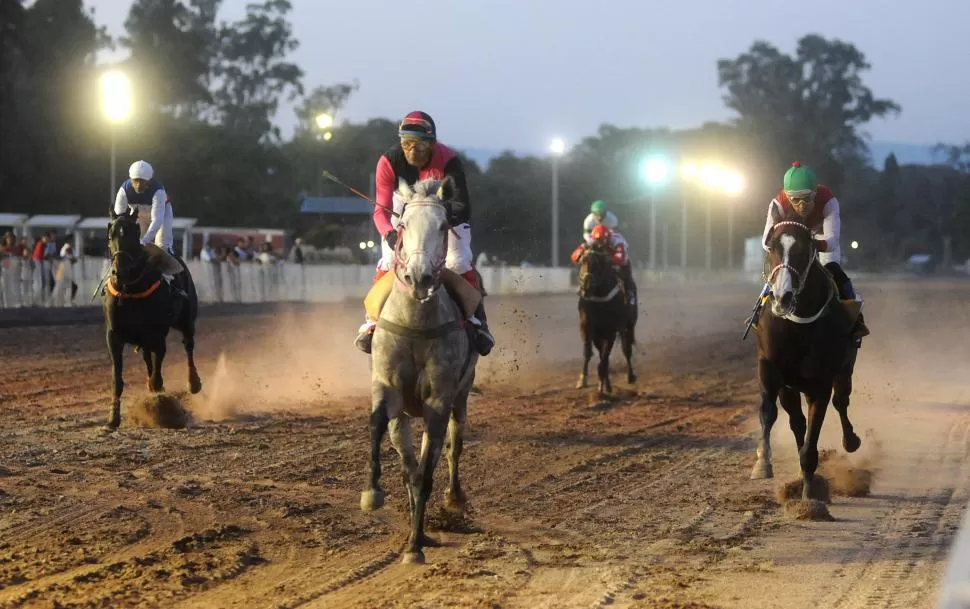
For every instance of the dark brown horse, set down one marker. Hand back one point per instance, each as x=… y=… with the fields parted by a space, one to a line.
x=804 y=347
x=604 y=314
x=140 y=307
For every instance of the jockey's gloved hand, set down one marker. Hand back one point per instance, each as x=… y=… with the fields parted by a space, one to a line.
x=391 y=239
x=456 y=211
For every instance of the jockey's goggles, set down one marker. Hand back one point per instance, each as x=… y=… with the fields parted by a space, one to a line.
x=801 y=197
x=410 y=143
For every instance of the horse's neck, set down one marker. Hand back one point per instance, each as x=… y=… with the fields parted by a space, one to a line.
x=405 y=311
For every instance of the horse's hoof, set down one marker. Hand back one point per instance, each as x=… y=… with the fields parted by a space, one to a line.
x=371 y=500
x=429 y=542
x=762 y=471
x=581 y=383
x=455 y=503
x=111 y=426
x=631 y=378
x=851 y=443
x=195 y=385
x=413 y=558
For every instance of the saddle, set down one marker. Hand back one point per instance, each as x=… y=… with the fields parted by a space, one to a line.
x=462 y=293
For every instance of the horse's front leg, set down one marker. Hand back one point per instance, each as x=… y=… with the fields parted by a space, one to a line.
x=399 y=431
x=436 y=421
x=606 y=347
x=627 y=342
x=155 y=382
x=818 y=403
x=583 y=381
x=386 y=403
x=770 y=383
x=841 y=390
x=116 y=348
x=455 y=498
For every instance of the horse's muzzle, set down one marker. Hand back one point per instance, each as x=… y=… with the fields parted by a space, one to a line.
x=784 y=305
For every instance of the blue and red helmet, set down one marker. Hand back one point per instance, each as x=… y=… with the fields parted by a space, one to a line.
x=418 y=124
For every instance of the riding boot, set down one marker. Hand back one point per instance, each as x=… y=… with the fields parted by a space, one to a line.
x=365 y=336
x=847 y=292
x=484 y=341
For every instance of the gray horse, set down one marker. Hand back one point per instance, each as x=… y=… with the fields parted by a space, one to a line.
x=423 y=360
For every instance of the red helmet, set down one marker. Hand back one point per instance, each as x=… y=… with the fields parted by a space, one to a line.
x=601 y=232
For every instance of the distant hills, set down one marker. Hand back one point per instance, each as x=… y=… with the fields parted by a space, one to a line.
x=906 y=154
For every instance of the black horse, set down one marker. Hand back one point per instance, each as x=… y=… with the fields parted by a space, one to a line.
x=604 y=313
x=804 y=347
x=140 y=307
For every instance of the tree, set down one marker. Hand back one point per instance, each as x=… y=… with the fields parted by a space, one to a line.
x=811 y=106
x=173 y=46
x=253 y=72
x=330 y=99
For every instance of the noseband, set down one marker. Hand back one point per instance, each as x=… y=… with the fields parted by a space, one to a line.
x=800 y=276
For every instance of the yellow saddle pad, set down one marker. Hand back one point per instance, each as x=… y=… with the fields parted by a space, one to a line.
x=467 y=297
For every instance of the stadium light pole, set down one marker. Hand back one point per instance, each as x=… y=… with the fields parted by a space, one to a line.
x=556 y=148
x=116 y=103
x=733 y=186
x=656 y=171
x=688 y=173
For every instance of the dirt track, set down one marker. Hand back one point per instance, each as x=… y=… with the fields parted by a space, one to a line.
x=644 y=501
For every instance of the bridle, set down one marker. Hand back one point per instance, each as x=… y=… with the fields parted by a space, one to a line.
x=584 y=275
x=800 y=278
x=401 y=258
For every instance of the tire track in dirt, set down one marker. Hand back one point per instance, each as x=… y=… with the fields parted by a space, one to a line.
x=918 y=525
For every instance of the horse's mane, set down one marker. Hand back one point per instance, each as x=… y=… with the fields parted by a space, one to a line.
x=427 y=188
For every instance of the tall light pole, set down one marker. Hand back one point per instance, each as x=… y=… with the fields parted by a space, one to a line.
x=688 y=172
x=711 y=177
x=324 y=122
x=733 y=186
x=656 y=171
x=557 y=147
x=116 y=103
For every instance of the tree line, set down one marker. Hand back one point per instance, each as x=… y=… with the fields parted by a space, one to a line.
x=207 y=91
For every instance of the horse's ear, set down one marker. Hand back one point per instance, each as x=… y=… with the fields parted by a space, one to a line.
x=447 y=190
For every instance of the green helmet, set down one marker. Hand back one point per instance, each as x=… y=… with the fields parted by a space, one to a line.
x=799 y=180
x=598 y=208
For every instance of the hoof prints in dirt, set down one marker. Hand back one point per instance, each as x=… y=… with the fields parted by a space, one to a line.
x=188 y=565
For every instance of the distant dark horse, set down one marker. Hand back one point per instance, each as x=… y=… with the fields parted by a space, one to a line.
x=140 y=307
x=604 y=313
x=804 y=347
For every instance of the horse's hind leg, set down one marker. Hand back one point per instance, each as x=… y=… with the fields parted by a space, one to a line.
x=627 y=343
x=455 y=498
x=147 y=356
x=387 y=404
x=188 y=341
x=423 y=479
x=399 y=431
x=116 y=347
x=791 y=401
x=841 y=390
x=770 y=386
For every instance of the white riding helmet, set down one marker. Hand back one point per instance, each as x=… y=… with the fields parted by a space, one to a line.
x=140 y=170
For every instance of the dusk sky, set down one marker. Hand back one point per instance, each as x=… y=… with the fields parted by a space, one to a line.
x=516 y=73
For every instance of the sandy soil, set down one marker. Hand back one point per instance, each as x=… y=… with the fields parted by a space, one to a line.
x=639 y=501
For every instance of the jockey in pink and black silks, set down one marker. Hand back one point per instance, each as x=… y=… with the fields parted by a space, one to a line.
x=818 y=208
x=419 y=156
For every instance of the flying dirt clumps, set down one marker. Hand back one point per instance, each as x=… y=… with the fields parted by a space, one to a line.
x=159 y=410
x=812 y=509
x=847 y=480
x=821 y=490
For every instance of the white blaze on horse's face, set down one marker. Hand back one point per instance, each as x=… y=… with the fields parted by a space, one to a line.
x=783 y=287
x=424 y=238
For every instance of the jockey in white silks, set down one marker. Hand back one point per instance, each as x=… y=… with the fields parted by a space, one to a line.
x=155 y=216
